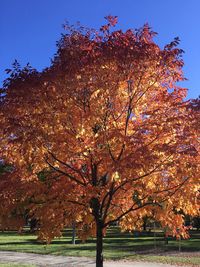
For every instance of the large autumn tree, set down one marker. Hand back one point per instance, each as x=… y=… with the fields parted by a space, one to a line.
x=102 y=135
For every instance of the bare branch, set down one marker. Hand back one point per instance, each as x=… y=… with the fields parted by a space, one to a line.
x=128 y=211
x=65 y=173
x=68 y=166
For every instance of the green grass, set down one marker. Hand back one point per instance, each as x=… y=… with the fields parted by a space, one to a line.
x=117 y=245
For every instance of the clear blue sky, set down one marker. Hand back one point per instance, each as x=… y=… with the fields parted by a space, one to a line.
x=29 y=29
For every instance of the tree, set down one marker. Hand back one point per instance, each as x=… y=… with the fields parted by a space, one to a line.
x=196 y=223
x=109 y=123
x=10 y=208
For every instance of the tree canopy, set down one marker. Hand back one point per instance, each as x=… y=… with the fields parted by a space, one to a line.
x=102 y=135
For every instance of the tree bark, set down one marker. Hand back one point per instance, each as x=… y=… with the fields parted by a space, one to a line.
x=73 y=233
x=144 y=223
x=166 y=240
x=165 y=237
x=99 y=245
x=95 y=205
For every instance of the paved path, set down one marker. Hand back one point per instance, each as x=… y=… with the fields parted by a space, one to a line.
x=67 y=261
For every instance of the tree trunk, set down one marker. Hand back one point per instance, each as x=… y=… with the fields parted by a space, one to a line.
x=166 y=239
x=144 y=223
x=99 y=245
x=73 y=233
x=95 y=205
x=154 y=234
x=165 y=236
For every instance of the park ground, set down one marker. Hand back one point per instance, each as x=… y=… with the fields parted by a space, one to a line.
x=120 y=249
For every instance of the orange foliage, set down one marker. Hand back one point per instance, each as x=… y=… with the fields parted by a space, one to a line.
x=110 y=124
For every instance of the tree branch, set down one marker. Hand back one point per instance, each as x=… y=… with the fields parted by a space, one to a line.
x=65 y=174
x=128 y=211
x=68 y=166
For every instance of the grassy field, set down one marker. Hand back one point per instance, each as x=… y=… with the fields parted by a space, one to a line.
x=137 y=246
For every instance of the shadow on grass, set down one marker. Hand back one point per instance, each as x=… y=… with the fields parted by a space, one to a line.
x=114 y=243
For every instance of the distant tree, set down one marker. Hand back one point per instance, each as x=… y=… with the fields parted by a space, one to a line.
x=196 y=223
x=109 y=121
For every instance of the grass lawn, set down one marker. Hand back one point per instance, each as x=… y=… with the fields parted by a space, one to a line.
x=137 y=246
